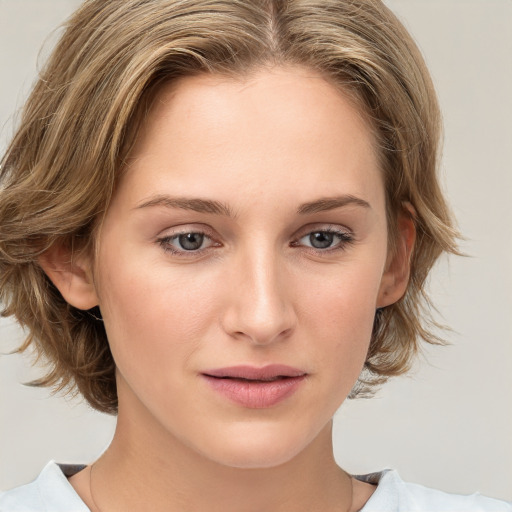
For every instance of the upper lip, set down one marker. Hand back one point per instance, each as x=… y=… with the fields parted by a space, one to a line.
x=247 y=372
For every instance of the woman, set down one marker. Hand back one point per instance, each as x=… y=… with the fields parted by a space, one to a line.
x=217 y=220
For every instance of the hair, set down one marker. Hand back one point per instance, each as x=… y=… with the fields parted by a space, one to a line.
x=61 y=168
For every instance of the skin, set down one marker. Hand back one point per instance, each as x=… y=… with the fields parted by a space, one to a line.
x=256 y=292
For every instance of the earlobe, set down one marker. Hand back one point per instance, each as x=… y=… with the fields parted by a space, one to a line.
x=398 y=267
x=71 y=275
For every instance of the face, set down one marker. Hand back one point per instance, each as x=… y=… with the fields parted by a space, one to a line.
x=241 y=262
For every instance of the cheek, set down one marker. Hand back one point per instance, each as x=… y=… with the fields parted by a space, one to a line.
x=340 y=316
x=344 y=299
x=155 y=318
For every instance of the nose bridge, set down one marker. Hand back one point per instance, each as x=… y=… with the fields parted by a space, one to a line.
x=259 y=308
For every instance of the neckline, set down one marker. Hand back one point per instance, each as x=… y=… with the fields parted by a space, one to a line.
x=67 y=470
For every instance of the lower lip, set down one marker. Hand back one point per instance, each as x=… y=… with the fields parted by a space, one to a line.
x=255 y=394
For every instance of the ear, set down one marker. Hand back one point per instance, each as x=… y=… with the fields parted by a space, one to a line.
x=398 y=266
x=72 y=275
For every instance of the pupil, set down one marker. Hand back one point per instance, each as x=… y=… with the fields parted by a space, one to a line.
x=321 y=239
x=191 y=241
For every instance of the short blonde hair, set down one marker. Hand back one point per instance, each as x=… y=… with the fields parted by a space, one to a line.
x=61 y=168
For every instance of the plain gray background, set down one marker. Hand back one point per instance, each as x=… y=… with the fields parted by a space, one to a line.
x=447 y=425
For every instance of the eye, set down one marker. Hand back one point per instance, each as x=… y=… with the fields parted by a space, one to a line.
x=326 y=239
x=320 y=239
x=191 y=241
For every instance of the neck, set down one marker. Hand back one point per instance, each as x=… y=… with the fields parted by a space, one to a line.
x=132 y=475
x=144 y=469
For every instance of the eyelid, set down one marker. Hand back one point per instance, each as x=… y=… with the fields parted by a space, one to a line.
x=183 y=229
x=329 y=228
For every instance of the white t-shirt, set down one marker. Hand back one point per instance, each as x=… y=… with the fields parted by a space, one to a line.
x=51 y=492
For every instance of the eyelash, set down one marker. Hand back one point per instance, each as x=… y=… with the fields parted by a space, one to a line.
x=345 y=239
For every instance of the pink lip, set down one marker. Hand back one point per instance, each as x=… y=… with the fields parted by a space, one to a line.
x=253 y=387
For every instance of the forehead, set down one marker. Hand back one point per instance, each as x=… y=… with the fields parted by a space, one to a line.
x=282 y=128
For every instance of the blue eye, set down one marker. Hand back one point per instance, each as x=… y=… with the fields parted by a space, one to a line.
x=321 y=239
x=190 y=241
x=186 y=242
x=326 y=239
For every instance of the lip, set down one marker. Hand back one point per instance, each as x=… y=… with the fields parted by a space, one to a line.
x=253 y=387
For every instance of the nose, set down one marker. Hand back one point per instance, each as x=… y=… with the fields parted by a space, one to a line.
x=258 y=306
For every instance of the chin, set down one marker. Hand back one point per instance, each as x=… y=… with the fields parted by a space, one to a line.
x=261 y=448
x=257 y=459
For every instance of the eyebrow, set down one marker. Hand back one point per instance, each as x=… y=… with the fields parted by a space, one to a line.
x=331 y=203
x=218 y=208
x=184 y=203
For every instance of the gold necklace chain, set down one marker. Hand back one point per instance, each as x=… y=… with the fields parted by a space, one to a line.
x=351 y=502
x=97 y=509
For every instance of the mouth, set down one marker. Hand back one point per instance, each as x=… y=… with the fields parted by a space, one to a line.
x=242 y=379
x=250 y=373
x=255 y=388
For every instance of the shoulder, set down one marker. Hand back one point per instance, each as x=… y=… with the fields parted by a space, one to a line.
x=49 y=492
x=395 y=495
